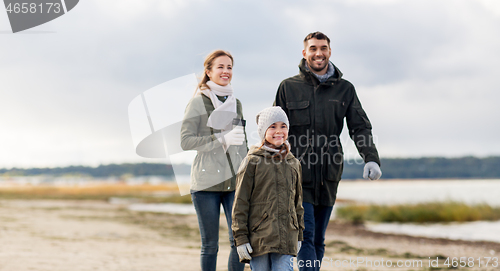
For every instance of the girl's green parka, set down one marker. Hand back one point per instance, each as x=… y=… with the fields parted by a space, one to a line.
x=267 y=210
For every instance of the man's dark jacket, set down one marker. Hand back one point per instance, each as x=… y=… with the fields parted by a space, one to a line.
x=316 y=112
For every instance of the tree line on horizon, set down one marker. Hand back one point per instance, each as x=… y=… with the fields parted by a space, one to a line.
x=392 y=168
x=431 y=167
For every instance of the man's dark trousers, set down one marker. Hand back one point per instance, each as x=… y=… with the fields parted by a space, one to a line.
x=316 y=218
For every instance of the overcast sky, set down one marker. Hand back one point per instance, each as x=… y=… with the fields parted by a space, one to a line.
x=426 y=72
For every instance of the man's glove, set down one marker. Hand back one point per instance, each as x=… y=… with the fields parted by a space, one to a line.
x=234 y=137
x=299 y=245
x=372 y=171
x=244 y=251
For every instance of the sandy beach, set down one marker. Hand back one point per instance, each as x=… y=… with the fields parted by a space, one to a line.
x=61 y=235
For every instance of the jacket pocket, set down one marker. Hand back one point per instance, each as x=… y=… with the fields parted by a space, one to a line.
x=207 y=169
x=257 y=225
x=336 y=102
x=298 y=113
x=333 y=167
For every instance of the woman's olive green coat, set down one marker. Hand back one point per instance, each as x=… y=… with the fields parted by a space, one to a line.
x=213 y=168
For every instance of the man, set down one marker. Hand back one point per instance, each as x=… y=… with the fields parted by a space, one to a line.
x=316 y=101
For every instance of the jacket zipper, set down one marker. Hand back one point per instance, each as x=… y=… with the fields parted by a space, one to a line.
x=314 y=126
x=314 y=120
x=278 y=199
x=315 y=89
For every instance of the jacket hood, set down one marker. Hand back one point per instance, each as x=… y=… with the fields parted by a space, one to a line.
x=308 y=75
x=256 y=150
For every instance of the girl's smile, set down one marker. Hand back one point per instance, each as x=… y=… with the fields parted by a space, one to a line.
x=277 y=133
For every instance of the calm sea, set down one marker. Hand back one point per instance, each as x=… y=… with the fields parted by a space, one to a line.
x=403 y=191
x=392 y=192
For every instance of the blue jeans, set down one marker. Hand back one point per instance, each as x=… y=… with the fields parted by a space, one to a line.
x=272 y=261
x=316 y=218
x=207 y=206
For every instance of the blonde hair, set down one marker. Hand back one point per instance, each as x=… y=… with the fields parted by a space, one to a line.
x=209 y=61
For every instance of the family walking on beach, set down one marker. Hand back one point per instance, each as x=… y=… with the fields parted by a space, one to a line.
x=279 y=194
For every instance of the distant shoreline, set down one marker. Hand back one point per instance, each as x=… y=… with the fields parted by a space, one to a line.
x=392 y=168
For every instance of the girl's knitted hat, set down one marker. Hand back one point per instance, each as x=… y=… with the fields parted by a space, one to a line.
x=269 y=116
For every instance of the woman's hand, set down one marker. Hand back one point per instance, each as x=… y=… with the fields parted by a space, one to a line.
x=234 y=137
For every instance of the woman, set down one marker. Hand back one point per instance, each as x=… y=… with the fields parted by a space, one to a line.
x=207 y=127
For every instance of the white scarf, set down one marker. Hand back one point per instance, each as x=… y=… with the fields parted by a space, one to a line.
x=224 y=113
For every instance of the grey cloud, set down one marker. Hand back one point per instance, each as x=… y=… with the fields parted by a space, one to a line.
x=82 y=77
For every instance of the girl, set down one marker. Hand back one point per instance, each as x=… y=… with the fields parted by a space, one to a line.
x=267 y=212
x=207 y=128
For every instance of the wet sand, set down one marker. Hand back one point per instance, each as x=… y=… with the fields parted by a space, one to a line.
x=94 y=235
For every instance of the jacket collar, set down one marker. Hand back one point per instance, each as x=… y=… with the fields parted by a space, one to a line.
x=308 y=75
x=255 y=150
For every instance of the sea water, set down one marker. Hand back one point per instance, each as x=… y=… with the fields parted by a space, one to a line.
x=418 y=191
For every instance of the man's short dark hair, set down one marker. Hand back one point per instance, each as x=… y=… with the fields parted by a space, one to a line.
x=316 y=35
